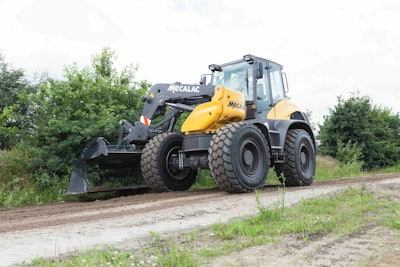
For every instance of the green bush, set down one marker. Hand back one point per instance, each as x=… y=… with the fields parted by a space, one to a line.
x=16 y=169
x=55 y=120
x=349 y=153
x=17 y=166
x=372 y=131
x=89 y=103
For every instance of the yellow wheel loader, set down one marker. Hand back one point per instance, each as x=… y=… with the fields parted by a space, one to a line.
x=240 y=124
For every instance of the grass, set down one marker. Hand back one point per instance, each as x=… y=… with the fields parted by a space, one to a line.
x=27 y=195
x=17 y=186
x=329 y=168
x=318 y=216
x=308 y=220
x=93 y=257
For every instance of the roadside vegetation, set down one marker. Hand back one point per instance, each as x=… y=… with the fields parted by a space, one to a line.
x=46 y=123
x=308 y=220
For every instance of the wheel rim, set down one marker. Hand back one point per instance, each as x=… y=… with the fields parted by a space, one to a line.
x=250 y=158
x=304 y=158
x=174 y=173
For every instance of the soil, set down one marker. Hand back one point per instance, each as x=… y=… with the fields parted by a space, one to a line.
x=58 y=229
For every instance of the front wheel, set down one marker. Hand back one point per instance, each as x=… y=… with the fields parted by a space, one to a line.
x=157 y=164
x=238 y=158
x=300 y=162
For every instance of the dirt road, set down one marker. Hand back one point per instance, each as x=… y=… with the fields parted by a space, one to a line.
x=52 y=230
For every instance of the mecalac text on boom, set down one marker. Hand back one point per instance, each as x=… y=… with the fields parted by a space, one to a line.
x=183 y=88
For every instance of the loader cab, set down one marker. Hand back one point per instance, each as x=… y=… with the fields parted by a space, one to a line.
x=260 y=80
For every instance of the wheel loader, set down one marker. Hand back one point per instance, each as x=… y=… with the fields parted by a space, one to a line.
x=240 y=123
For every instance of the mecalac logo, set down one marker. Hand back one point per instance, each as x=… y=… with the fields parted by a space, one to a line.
x=233 y=104
x=183 y=88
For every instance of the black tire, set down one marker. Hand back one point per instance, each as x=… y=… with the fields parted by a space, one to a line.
x=156 y=165
x=300 y=162
x=238 y=158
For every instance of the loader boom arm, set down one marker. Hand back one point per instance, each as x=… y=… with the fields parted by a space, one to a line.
x=178 y=97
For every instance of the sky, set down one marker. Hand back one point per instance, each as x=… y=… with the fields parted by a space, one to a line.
x=328 y=48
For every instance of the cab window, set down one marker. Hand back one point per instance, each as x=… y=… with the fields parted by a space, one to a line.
x=277 y=88
x=237 y=77
x=263 y=97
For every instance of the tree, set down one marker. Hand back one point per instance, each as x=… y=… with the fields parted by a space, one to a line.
x=87 y=104
x=357 y=123
x=11 y=82
x=15 y=111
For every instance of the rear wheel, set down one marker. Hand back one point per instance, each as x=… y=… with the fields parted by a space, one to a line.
x=157 y=167
x=300 y=163
x=238 y=158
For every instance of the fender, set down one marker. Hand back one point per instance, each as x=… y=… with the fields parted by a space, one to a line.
x=264 y=126
x=283 y=126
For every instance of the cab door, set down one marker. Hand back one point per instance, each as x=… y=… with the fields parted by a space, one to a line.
x=279 y=102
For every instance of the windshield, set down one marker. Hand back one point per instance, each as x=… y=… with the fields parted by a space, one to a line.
x=237 y=77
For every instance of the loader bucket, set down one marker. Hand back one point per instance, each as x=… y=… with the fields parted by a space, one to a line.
x=107 y=156
x=78 y=182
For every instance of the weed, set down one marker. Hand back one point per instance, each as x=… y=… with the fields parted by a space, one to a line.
x=176 y=256
x=93 y=257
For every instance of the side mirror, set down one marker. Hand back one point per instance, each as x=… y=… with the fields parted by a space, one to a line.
x=259 y=71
